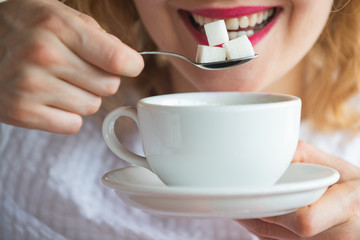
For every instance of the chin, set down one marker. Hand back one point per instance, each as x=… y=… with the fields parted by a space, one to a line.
x=228 y=81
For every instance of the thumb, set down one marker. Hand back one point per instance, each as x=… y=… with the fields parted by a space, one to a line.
x=307 y=153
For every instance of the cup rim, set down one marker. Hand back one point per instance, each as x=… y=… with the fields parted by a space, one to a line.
x=284 y=99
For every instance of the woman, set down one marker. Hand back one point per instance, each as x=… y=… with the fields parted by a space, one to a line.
x=57 y=64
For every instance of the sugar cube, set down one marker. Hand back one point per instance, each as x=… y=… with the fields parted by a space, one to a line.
x=216 y=32
x=239 y=47
x=207 y=54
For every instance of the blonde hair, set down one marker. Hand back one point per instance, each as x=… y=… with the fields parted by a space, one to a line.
x=332 y=67
x=333 y=70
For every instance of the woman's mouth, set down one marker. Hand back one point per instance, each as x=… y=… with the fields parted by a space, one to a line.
x=255 y=22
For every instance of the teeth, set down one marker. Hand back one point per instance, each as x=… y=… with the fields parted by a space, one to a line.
x=236 y=24
x=270 y=12
x=260 y=17
x=209 y=20
x=240 y=33
x=266 y=14
x=250 y=33
x=232 y=23
x=236 y=34
x=233 y=35
x=253 y=20
x=242 y=22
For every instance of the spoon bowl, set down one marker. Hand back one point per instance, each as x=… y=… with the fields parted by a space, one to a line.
x=219 y=65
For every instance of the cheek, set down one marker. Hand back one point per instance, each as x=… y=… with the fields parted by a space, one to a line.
x=297 y=30
x=307 y=19
x=158 y=20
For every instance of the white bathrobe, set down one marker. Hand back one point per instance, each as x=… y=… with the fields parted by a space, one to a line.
x=50 y=188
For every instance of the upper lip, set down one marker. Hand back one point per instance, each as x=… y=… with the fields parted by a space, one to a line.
x=255 y=33
x=223 y=13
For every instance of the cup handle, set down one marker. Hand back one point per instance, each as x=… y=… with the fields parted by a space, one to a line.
x=108 y=131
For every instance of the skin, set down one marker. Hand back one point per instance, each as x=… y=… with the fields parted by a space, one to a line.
x=288 y=40
x=57 y=63
x=337 y=214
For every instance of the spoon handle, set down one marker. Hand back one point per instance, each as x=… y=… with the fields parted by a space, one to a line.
x=166 y=53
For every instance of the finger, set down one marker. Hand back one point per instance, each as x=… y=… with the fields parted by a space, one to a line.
x=101 y=49
x=82 y=37
x=332 y=209
x=66 y=97
x=267 y=230
x=28 y=105
x=88 y=20
x=307 y=153
x=34 y=89
x=46 y=51
x=57 y=121
x=347 y=230
x=44 y=118
x=88 y=77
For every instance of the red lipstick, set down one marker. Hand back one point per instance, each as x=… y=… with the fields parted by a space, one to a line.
x=225 y=13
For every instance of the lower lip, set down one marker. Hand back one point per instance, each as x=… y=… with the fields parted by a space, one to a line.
x=254 y=39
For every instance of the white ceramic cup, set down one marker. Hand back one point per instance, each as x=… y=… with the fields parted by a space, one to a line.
x=212 y=139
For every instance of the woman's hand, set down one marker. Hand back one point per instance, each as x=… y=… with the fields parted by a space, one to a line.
x=55 y=64
x=336 y=215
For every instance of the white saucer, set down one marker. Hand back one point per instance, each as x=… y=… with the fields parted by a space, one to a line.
x=301 y=185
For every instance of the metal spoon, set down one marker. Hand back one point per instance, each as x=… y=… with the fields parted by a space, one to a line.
x=210 y=65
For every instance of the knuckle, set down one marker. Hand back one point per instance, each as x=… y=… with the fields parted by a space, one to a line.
x=26 y=82
x=50 y=20
x=17 y=103
x=264 y=229
x=301 y=144
x=305 y=224
x=123 y=61
x=18 y=110
x=301 y=147
x=301 y=150
x=41 y=53
x=116 y=61
x=88 y=19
